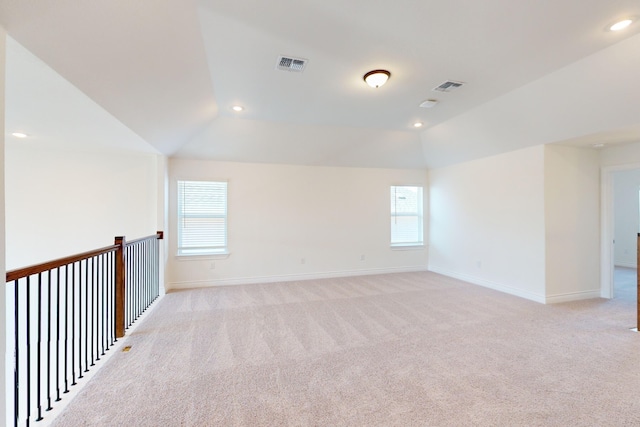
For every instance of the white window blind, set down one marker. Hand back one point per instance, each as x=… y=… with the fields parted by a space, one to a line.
x=202 y=217
x=406 y=216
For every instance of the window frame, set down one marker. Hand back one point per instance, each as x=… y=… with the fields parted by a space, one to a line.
x=183 y=250
x=419 y=214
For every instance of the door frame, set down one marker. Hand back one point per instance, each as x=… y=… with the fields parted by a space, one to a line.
x=607 y=226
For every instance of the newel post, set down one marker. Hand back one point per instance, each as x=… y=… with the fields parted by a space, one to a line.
x=120 y=287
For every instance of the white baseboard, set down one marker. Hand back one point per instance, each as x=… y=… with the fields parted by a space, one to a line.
x=491 y=285
x=289 y=277
x=572 y=296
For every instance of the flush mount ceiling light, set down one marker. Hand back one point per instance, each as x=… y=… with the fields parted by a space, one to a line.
x=621 y=25
x=376 y=78
x=19 y=135
x=417 y=124
x=237 y=108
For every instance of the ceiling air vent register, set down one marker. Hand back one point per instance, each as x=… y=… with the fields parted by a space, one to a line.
x=289 y=63
x=448 y=86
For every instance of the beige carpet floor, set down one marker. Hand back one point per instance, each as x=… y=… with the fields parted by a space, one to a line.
x=410 y=349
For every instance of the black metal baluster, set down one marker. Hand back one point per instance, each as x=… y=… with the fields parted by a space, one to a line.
x=86 y=315
x=156 y=260
x=127 y=288
x=147 y=266
x=100 y=308
x=39 y=350
x=138 y=284
x=16 y=362
x=96 y=312
x=49 y=342
x=28 y=349
x=90 y=284
x=132 y=284
x=103 y=292
x=108 y=302
x=73 y=324
x=113 y=301
x=66 y=327
x=58 y=335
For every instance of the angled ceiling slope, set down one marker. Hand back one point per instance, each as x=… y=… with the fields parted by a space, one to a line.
x=54 y=113
x=143 y=61
x=156 y=66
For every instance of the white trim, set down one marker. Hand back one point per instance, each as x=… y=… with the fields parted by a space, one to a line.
x=492 y=285
x=408 y=247
x=203 y=257
x=290 y=277
x=573 y=296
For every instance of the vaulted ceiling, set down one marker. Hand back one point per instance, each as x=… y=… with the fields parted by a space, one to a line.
x=535 y=72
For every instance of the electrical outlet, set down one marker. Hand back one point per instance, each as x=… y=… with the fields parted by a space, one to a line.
x=302 y=260
x=479 y=264
x=362 y=257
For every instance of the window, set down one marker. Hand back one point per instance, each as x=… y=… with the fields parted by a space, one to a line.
x=202 y=217
x=406 y=216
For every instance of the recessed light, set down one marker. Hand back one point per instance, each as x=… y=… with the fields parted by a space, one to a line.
x=237 y=108
x=19 y=135
x=621 y=25
x=417 y=124
x=598 y=145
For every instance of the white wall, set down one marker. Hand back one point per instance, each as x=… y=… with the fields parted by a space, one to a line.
x=62 y=202
x=279 y=214
x=619 y=155
x=487 y=222
x=4 y=358
x=572 y=222
x=626 y=208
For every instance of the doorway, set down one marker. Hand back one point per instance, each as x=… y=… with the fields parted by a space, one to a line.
x=620 y=227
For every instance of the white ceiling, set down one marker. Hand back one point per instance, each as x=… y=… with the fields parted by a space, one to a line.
x=536 y=72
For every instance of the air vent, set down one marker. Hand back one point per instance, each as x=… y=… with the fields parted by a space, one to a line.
x=448 y=86
x=288 y=63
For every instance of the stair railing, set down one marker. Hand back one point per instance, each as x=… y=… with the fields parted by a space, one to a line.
x=68 y=313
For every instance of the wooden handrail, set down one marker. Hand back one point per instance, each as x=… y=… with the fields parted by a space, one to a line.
x=118 y=247
x=159 y=236
x=49 y=265
x=19 y=273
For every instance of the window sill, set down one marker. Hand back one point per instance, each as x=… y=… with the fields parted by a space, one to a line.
x=408 y=247
x=203 y=257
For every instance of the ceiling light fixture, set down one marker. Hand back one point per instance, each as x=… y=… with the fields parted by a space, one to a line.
x=417 y=125
x=237 y=108
x=376 y=78
x=621 y=25
x=19 y=135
